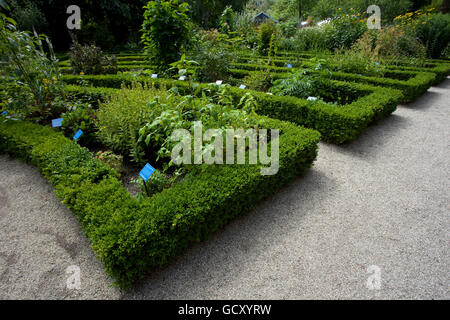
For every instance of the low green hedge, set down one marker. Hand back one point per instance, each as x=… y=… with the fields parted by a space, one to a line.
x=439 y=67
x=441 y=70
x=417 y=84
x=132 y=237
x=337 y=124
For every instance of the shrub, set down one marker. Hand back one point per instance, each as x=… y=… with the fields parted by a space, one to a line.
x=29 y=80
x=80 y=116
x=214 y=61
x=114 y=161
x=157 y=182
x=265 y=33
x=310 y=39
x=300 y=84
x=343 y=31
x=89 y=59
x=165 y=31
x=260 y=81
x=354 y=61
x=434 y=32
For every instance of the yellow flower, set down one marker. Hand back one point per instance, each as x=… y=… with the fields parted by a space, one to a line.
x=82 y=73
x=339 y=9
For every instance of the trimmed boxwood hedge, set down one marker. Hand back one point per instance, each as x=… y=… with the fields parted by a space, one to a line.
x=337 y=124
x=131 y=237
x=414 y=87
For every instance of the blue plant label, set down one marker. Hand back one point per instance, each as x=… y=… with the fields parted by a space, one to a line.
x=242 y=86
x=4 y=113
x=154 y=76
x=78 y=134
x=146 y=172
x=57 y=122
x=289 y=65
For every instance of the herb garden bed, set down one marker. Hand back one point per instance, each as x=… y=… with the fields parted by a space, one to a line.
x=337 y=124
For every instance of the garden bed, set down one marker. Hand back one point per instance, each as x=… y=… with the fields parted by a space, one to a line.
x=131 y=237
x=336 y=124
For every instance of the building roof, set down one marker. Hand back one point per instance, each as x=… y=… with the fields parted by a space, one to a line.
x=265 y=15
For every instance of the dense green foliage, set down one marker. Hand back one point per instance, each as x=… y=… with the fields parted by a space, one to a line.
x=165 y=31
x=89 y=59
x=30 y=81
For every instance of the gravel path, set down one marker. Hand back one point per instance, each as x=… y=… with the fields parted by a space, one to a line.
x=381 y=201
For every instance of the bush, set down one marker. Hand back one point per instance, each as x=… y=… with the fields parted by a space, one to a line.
x=265 y=33
x=434 y=32
x=300 y=84
x=114 y=161
x=80 y=116
x=310 y=39
x=343 y=31
x=165 y=31
x=89 y=59
x=354 y=61
x=214 y=61
x=30 y=81
x=260 y=81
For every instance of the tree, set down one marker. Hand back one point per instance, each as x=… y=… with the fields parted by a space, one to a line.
x=165 y=31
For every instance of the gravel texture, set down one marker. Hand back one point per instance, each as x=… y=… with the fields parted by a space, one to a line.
x=382 y=201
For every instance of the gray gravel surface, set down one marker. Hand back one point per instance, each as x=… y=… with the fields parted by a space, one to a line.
x=381 y=201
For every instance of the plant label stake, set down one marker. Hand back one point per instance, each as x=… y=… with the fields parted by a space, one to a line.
x=182 y=78
x=289 y=65
x=242 y=86
x=219 y=82
x=4 y=113
x=154 y=76
x=145 y=174
x=78 y=134
x=57 y=122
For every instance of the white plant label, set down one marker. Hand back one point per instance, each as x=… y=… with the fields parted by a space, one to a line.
x=182 y=78
x=154 y=76
x=242 y=86
x=219 y=82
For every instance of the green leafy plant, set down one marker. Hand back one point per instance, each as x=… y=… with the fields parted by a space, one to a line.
x=184 y=67
x=30 y=80
x=80 y=116
x=157 y=182
x=265 y=33
x=434 y=32
x=214 y=60
x=165 y=31
x=114 y=161
x=300 y=84
x=89 y=59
